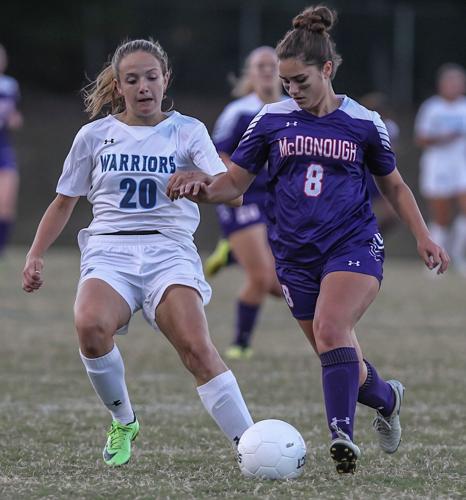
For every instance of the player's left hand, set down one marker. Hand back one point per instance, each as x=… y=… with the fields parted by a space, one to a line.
x=186 y=184
x=433 y=255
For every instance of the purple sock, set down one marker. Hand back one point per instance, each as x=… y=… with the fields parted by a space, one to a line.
x=376 y=393
x=340 y=380
x=5 y=226
x=246 y=315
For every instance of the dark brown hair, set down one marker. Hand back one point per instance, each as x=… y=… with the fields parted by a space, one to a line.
x=102 y=91
x=309 y=40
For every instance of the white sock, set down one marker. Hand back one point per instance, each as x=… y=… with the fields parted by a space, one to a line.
x=440 y=235
x=107 y=376
x=458 y=246
x=222 y=399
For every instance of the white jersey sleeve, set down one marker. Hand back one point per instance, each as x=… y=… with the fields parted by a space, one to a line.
x=424 y=124
x=202 y=152
x=75 y=179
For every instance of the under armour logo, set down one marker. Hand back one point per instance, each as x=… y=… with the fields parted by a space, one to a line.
x=109 y=141
x=295 y=124
x=117 y=403
x=356 y=263
x=335 y=421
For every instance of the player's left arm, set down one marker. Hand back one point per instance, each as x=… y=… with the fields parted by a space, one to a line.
x=400 y=196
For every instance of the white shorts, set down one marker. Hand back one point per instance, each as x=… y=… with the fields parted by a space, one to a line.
x=141 y=268
x=442 y=179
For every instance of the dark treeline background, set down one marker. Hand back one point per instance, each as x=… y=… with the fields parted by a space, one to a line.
x=392 y=46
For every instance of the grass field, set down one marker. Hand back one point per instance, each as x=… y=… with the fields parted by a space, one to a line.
x=52 y=426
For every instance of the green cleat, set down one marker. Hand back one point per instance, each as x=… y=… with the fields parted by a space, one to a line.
x=117 y=451
x=239 y=352
x=217 y=259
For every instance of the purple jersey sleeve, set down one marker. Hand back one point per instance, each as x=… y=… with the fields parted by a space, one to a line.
x=253 y=150
x=379 y=157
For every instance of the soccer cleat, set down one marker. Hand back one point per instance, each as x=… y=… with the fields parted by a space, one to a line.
x=217 y=259
x=237 y=352
x=344 y=453
x=117 y=450
x=389 y=428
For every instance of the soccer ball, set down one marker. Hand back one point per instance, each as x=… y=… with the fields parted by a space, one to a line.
x=271 y=449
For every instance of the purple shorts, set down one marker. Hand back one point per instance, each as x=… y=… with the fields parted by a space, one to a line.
x=301 y=285
x=235 y=219
x=7 y=158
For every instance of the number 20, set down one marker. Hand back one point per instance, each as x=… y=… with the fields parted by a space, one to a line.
x=313 y=183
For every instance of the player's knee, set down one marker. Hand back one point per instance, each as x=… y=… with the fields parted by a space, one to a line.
x=262 y=279
x=93 y=333
x=199 y=358
x=330 y=334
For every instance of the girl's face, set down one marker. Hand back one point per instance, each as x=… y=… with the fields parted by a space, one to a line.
x=306 y=84
x=142 y=84
x=263 y=71
x=452 y=84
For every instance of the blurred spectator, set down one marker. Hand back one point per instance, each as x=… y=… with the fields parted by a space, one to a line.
x=440 y=130
x=386 y=216
x=10 y=119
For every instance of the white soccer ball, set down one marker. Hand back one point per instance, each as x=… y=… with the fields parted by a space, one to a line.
x=271 y=449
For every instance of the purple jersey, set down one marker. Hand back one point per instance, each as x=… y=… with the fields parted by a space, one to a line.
x=318 y=196
x=9 y=97
x=228 y=130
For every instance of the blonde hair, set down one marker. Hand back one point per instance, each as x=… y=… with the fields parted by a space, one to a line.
x=242 y=85
x=102 y=91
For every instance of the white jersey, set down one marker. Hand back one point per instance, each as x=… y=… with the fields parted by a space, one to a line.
x=437 y=117
x=124 y=170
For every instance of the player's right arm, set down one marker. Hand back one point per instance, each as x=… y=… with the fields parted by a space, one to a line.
x=223 y=188
x=228 y=186
x=51 y=225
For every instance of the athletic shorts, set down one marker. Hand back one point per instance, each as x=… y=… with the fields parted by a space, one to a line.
x=442 y=179
x=141 y=268
x=301 y=285
x=7 y=158
x=235 y=219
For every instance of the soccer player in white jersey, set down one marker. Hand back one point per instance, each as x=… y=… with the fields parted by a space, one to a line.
x=323 y=233
x=138 y=252
x=440 y=130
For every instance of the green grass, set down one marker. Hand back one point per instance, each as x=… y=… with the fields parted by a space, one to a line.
x=52 y=427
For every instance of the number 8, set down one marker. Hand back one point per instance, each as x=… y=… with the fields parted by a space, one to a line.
x=313 y=184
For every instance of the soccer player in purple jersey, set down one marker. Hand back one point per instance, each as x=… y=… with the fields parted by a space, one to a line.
x=322 y=230
x=245 y=226
x=10 y=119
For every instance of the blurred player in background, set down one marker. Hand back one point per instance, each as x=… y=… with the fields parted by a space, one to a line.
x=138 y=252
x=440 y=130
x=386 y=216
x=328 y=250
x=244 y=228
x=10 y=119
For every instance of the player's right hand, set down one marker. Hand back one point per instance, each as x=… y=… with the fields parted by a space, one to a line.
x=190 y=182
x=32 y=274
